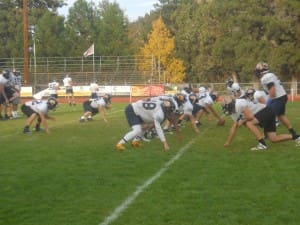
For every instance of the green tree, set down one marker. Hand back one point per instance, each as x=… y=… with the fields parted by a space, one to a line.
x=112 y=36
x=11 y=22
x=49 y=35
x=81 y=26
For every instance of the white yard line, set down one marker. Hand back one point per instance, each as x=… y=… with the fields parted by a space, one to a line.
x=124 y=205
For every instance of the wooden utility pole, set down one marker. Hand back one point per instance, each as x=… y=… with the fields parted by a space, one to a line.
x=25 y=43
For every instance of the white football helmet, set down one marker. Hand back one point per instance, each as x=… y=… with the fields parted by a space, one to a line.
x=261 y=68
x=202 y=89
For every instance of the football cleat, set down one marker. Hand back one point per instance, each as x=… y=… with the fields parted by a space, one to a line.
x=82 y=120
x=297 y=141
x=37 y=128
x=90 y=119
x=26 y=131
x=136 y=144
x=259 y=147
x=120 y=147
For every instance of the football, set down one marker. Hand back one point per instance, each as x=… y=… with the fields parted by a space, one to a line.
x=221 y=122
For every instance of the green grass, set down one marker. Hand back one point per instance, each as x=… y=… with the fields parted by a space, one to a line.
x=73 y=176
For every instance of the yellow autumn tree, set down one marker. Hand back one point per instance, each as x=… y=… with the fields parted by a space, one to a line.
x=160 y=46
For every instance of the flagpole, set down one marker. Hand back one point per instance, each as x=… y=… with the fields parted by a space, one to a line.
x=94 y=63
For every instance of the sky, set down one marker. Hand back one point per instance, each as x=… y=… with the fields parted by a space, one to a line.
x=132 y=8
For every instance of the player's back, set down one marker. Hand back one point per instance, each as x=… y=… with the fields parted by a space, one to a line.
x=149 y=110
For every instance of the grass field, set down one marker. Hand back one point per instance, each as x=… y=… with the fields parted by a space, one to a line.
x=73 y=176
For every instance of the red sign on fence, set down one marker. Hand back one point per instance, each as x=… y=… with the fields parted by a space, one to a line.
x=149 y=90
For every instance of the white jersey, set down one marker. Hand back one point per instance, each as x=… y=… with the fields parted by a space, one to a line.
x=151 y=112
x=166 y=98
x=260 y=97
x=272 y=78
x=17 y=82
x=38 y=106
x=98 y=102
x=67 y=81
x=11 y=80
x=188 y=106
x=241 y=104
x=53 y=87
x=205 y=99
x=3 y=80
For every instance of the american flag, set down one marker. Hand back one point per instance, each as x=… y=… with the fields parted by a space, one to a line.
x=89 y=51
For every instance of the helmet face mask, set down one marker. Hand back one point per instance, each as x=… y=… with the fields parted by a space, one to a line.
x=250 y=93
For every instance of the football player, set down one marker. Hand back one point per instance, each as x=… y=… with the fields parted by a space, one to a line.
x=53 y=87
x=146 y=112
x=276 y=92
x=244 y=112
x=17 y=82
x=206 y=101
x=38 y=109
x=94 y=88
x=94 y=106
x=68 y=83
x=8 y=93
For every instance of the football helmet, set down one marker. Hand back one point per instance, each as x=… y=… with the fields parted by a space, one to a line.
x=250 y=93
x=214 y=95
x=6 y=73
x=168 y=106
x=17 y=72
x=261 y=68
x=52 y=103
x=187 y=90
x=229 y=83
x=107 y=98
x=202 y=90
x=228 y=106
x=235 y=88
x=179 y=98
x=193 y=98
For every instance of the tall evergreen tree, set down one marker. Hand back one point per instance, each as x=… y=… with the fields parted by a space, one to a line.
x=112 y=38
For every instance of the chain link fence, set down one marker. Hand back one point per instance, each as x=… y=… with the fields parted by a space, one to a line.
x=109 y=70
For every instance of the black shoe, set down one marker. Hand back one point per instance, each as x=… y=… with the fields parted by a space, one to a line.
x=198 y=123
x=26 y=131
x=37 y=128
